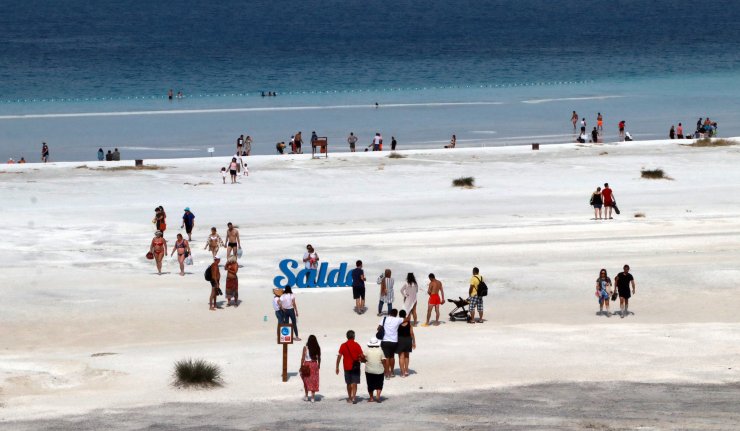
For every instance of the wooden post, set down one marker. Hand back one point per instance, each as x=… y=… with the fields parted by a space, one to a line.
x=285 y=362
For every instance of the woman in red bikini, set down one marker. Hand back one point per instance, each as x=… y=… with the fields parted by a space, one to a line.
x=158 y=248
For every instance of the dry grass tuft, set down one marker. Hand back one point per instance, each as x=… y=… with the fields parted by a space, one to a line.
x=197 y=373
x=639 y=215
x=467 y=182
x=708 y=142
x=396 y=156
x=123 y=168
x=654 y=174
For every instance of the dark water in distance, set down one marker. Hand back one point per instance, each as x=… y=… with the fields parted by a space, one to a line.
x=104 y=48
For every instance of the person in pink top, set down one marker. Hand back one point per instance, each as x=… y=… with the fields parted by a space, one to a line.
x=608 y=196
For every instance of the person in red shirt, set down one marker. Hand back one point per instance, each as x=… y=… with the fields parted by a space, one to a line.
x=350 y=354
x=608 y=196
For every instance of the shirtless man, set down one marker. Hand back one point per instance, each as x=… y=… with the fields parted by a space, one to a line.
x=233 y=243
x=213 y=242
x=436 y=298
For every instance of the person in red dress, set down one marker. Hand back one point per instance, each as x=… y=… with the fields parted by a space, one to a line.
x=310 y=365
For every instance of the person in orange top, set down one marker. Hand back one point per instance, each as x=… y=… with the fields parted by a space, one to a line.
x=232 y=281
x=158 y=248
x=600 y=122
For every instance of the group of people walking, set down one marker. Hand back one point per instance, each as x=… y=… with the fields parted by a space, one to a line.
x=596 y=134
x=605 y=292
x=604 y=203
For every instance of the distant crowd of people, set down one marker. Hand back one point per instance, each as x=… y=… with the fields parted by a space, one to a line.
x=705 y=128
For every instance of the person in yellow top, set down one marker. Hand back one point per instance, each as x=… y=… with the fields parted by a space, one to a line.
x=475 y=300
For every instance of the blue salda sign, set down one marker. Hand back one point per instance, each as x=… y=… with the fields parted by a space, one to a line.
x=338 y=277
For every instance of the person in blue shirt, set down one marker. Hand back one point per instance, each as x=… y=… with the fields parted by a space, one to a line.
x=188 y=222
x=101 y=154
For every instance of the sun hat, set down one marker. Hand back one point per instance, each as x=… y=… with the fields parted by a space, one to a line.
x=374 y=342
x=187 y=209
x=277 y=292
x=216 y=258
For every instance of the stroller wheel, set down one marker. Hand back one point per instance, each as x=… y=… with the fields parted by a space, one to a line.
x=452 y=319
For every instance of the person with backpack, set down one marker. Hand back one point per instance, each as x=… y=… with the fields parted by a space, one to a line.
x=478 y=289
x=213 y=275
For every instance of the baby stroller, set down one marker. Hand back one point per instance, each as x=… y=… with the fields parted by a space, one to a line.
x=460 y=312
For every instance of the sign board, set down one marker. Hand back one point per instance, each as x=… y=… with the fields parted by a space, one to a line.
x=321 y=277
x=285 y=334
x=211 y=149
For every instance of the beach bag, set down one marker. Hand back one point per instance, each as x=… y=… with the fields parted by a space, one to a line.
x=305 y=371
x=380 y=278
x=591 y=201
x=614 y=296
x=482 y=287
x=239 y=253
x=150 y=255
x=208 y=276
x=381 y=330
x=189 y=260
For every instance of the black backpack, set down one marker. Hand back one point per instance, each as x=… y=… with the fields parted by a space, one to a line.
x=482 y=287
x=208 y=274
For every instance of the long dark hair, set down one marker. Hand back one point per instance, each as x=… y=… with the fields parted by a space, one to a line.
x=314 y=350
x=410 y=279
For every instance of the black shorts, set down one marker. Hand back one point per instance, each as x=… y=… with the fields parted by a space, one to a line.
x=189 y=228
x=352 y=377
x=214 y=283
x=232 y=244
x=625 y=293
x=389 y=348
x=358 y=292
x=232 y=172
x=404 y=345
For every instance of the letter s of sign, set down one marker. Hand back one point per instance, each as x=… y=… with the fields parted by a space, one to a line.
x=285 y=267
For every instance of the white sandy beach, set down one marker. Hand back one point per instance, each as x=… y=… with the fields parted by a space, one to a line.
x=75 y=282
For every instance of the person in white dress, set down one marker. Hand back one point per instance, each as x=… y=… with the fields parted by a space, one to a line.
x=409 y=292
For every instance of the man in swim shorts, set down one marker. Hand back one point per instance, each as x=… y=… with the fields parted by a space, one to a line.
x=476 y=301
x=233 y=244
x=436 y=298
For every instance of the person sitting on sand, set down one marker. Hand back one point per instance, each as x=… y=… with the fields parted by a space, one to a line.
x=311 y=361
x=232 y=282
x=410 y=291
x=374 y=369
x=109 y=156
x=116 y=155
x=280 y=147
x=213 y=242
x=22 y=161
x=436 y=298
x=604 y=291
x=215 y=283
x=350 y=355
x=158 y=248
x=10 y=161
x=182 y=247
x=101 y=155
x=386 y=291
x=595 y=136
x=597 y=202
x=406 y=343
x=453 y=142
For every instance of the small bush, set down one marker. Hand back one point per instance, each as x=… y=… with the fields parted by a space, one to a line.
x=396 y=156
x=198 y=373
x=463 y=182
x=707 y=142
x=654 y=174
x=639 y=215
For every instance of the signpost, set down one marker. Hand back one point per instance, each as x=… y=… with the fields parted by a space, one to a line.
x=211 y=150
x=285 y=337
